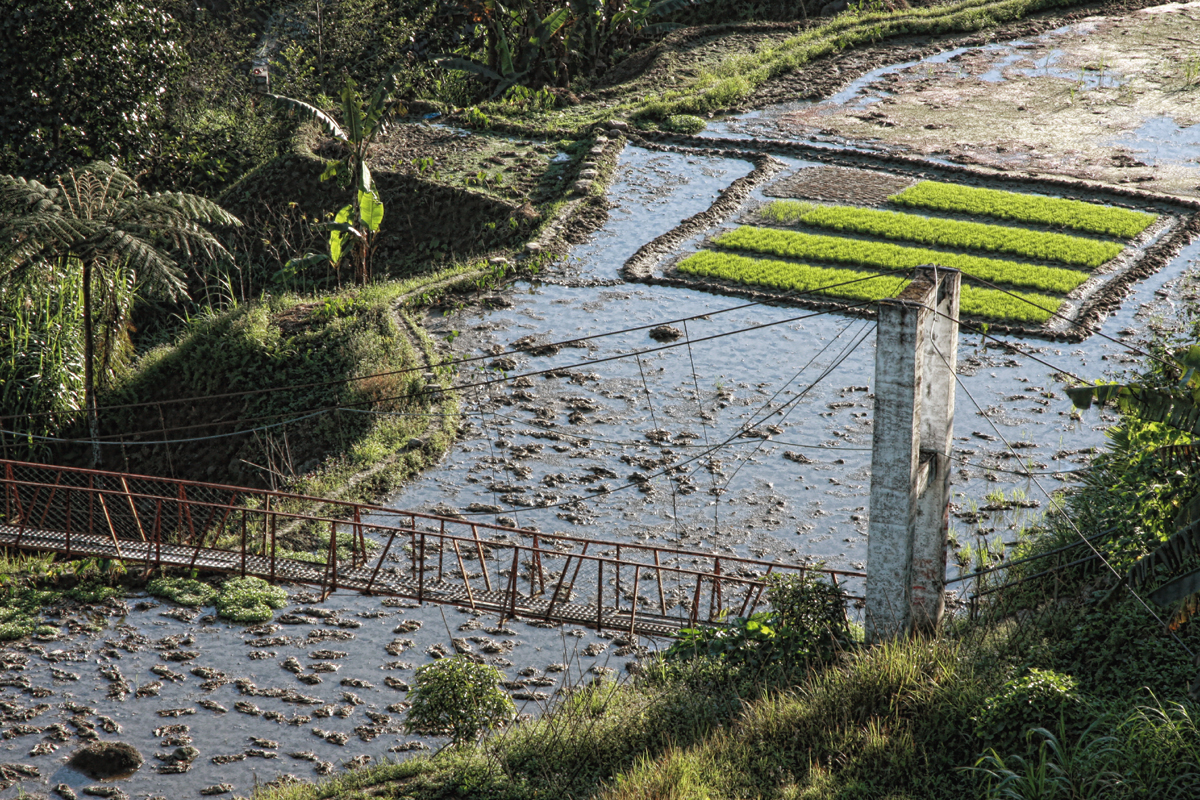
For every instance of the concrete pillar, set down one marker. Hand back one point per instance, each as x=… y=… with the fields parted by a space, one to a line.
x=916 y=352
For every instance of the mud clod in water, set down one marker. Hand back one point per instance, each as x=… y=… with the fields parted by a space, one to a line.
x=101 y=760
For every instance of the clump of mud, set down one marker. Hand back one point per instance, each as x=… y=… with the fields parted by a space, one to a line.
x=101 y=760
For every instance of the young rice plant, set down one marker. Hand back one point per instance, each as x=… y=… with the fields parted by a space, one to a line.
x=954 y=234
x=1053 y=211
x=792 y=244
x=1018 y=307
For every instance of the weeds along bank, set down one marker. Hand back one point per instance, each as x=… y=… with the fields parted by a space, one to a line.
x=1045 y=691
x=1060 y=683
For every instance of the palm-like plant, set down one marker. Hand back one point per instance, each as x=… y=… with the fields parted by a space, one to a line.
x=99 y=218
x=365 y=118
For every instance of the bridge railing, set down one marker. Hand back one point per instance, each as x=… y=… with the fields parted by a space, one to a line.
x=516 y=572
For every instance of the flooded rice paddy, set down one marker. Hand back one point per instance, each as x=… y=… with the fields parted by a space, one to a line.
x=754 y=441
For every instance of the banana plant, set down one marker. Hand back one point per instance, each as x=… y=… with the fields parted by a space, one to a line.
x=519 y=44
x=356 y=225
x=1178 y=406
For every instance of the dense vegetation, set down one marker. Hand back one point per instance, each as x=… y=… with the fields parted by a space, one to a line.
x=1052 y=211
x=954 y=234
x=861 y=286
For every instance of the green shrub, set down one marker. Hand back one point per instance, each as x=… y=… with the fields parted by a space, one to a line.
x=806 y=625
x=1039 y=699
x=184 y=591
x=249 y=599
x=684 y=123
x=457 y=698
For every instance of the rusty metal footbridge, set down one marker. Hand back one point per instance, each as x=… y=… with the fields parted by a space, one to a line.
x=160 y=523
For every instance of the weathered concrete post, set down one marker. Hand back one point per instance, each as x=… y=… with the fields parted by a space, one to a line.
x=916 y=352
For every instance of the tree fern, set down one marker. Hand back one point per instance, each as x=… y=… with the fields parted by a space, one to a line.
x=98 y=218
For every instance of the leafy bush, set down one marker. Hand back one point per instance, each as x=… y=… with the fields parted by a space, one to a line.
x=854 y=285
x=955 y=234
x=249 y=599
x=1054 y=211
x=793 y=244
x=457 y=698
x=684 y=123
x=806 y=625
x=184 y=591
x=1039 y=699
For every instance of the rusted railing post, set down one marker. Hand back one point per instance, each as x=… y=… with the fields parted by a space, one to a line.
x=158 y=534
x=271 y=525
x=421 y=575
x=466 y=578
x=382 y=556
x=600 y=594
x=243 y=543
x=441 y=549
x=662 y=598
x=69 y=495
x=637 y=574
x=750 y=590
x=487 y=580
x=333 y=555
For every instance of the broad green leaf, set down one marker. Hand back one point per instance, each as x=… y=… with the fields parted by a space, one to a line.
x=550 y=26
x=364 y=177
x=352 y=111
x=335 y=247
x=506 y=62
x=301 y=262
x=311 y=112
x=466 y=65
x=331 y=170
x=370 y=210
x=344 y=214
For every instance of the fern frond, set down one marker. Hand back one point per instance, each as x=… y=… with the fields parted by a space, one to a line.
x=311 y=112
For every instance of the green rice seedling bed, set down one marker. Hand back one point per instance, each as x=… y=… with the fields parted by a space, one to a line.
x=792 y=244
x=1053 y=211
x=1017 y=307
x=949 y=233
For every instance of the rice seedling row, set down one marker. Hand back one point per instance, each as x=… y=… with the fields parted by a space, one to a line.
x=948 y=233
x=1052 y=211
x=793 y=244
x=789 y=276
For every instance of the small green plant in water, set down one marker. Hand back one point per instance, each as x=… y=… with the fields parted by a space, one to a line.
x=184 y=591
x=249 y=600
